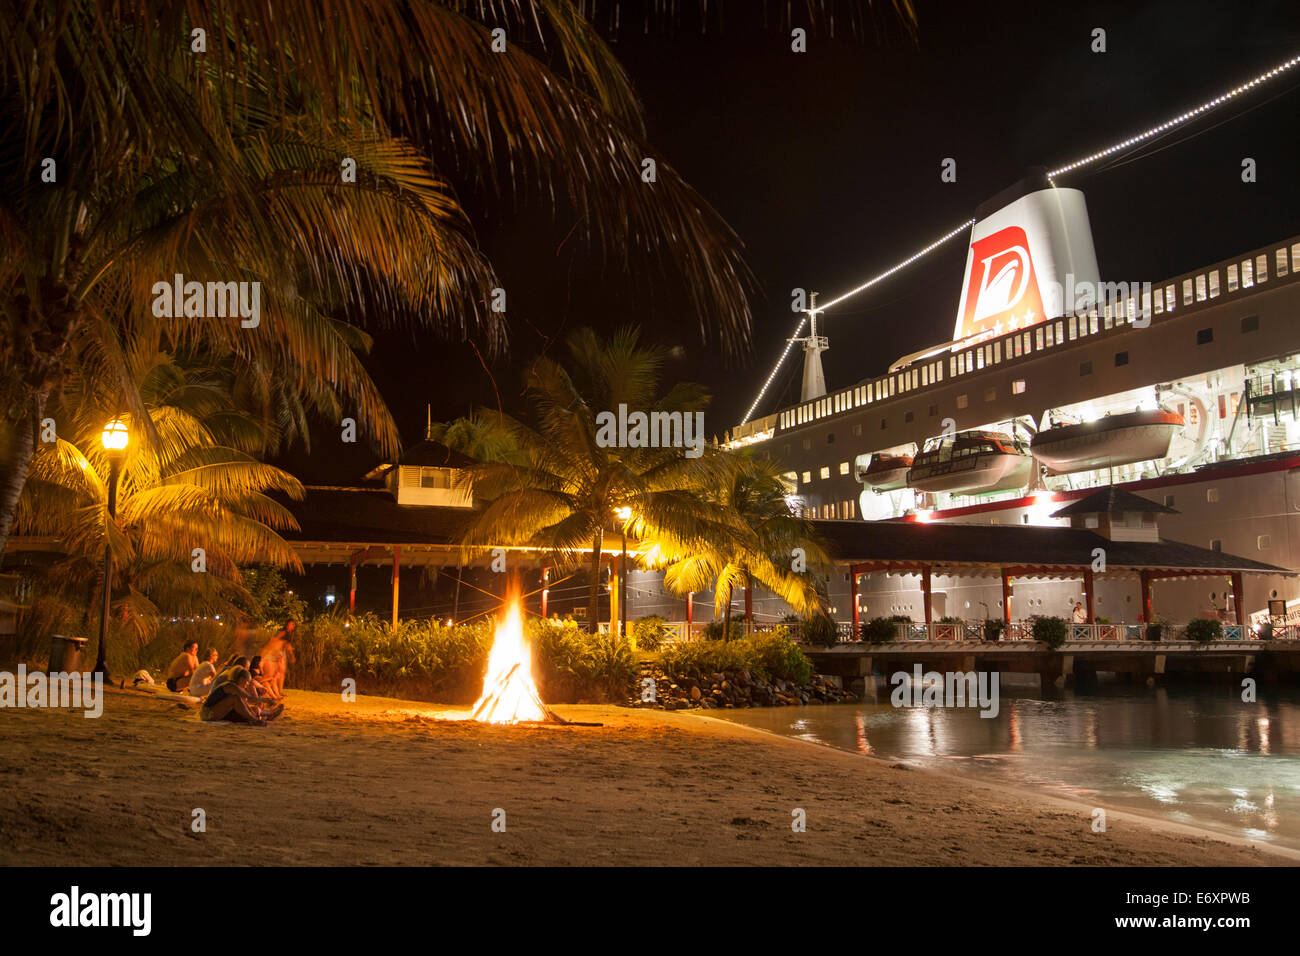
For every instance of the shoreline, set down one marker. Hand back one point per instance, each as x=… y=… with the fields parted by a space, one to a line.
x=1130 y=814
x=383 y=781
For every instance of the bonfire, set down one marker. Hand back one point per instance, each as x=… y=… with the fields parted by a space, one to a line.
x=509 y=693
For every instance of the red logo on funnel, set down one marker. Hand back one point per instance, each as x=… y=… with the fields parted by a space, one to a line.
x=1002 y=291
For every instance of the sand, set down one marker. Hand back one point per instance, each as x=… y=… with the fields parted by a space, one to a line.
x=382 y=781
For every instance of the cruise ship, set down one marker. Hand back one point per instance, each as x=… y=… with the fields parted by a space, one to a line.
x=1184 y=391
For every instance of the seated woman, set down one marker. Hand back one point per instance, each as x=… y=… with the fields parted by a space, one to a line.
x=260 y=686
x=232 y=699
x=203 y=679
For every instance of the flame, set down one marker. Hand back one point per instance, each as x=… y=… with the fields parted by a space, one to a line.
x=509 y=694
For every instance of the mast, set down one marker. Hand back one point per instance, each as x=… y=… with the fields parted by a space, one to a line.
x=814 y=381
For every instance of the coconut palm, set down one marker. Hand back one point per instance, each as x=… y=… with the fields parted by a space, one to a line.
x=754 y=536
x=189 y=481
x=559 y=487
x=136 y=150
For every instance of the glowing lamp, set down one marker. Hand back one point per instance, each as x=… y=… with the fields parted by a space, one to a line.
x=115 y=437
x=623 y=513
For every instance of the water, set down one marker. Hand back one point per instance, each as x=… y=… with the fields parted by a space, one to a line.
x=1195 y=755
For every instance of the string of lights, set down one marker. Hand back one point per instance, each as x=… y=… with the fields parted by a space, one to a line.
x=1182 y=118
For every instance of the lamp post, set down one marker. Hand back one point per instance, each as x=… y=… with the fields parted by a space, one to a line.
x=624 y=515
x=114 y=438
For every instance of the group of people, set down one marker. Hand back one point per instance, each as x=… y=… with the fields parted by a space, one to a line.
x=246 y=690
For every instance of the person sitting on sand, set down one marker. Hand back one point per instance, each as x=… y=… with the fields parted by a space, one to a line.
x=276 y=658
x=232 y=699
x=260 y=687
x=204 y=675
x=185 y=664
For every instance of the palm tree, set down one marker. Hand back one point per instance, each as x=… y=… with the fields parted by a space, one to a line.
x=189 y=481
x=557 y=486
x=755 y=537
x=132 y=156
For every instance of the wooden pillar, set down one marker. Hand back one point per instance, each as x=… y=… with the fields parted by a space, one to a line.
x=1144 y=580
x=749 y=607
x=397 y=564
x=546 y=591
x=1006 y=598
x=690 y=612
x=352 y=588
x=853 y=596
x=615 y=582
x=1237 y=595
x=925 y=598
x=1088 y=596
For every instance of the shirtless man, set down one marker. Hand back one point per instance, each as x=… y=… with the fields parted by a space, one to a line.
x=233 y=699
x=182 y=667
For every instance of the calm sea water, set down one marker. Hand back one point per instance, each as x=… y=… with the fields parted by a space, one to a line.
x=1194 y=755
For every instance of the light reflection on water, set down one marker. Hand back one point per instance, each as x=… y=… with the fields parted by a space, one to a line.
x=1196 y=755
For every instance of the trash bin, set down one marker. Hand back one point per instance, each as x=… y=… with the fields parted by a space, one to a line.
x=65 y=653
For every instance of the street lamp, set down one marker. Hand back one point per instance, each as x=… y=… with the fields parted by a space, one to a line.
x=624 y=515
x=114 y=438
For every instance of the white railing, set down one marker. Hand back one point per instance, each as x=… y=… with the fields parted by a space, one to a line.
x=1018 y=631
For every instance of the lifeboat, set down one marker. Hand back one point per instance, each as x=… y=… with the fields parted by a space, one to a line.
x=885 y=472
x=975 y=462
x=1109 y=441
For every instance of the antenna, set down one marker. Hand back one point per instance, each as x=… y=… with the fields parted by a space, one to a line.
x=814 y=380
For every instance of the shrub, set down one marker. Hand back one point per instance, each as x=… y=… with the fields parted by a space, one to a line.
x=879 y=630
x=993 y=629
x=1265 y=632
x=1153 y=632
x=713 y=631
x=769 y=655
x=1203 y=630
x=949 y=619
x=1052 y=631
x=820 y=629
x=649 y=632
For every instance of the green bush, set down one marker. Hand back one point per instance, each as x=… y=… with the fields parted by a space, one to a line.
x=769 y=655
x=1203 y=630
x=949 y=619
x=819 y=629
x=713 y=631
x=1052 y=631
x=649 y=632
x=879 y=630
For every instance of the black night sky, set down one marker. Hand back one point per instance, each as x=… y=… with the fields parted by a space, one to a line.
x=827 y=165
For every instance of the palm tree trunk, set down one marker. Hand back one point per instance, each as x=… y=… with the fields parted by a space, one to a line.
x=17 y=461
x=593 y=590
x=726 y=617
x=749 y=603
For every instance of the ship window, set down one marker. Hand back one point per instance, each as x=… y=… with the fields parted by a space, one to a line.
x=1216 y=544
x=934 y=410
x=1085 y=368
x=1159 y=303
x=1090 y=521
x=952 y=366
x=907 y=416
x=1295 y=257
x=1261 y=268
x=807 y=477
x=849 y=509
x=979 y=358
x=1204 y=336
x=1074 y=328
x=1092 y=324
x=1060 y=333
x=1050 y=341
x=1024 y=519
x=1250 y=324
x=1247 y=274
x=1212 y=495
x=1264 y=542
x=830 y=438
x=1169 y=501
x=1187 y=292
x=807 y=444
x=1232 y=277
x=1200 y=288
x=1169 y=297
x=1281 y=263
x=1214 y=284
x=844 y=468
x=825 y=472
x=997 y=352
x=1028 y=342
x=1106 y=319
x=884 y=424
x=990 y=394
x=938 y=367
x=1121 y=358
x=961 y=401
x=1038 y=338
x=857 y=430
x=1018 y=387
x=925 y=375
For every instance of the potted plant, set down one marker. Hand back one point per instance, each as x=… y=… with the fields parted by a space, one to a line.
x=1052 y=631
x=993 y=629
x=1203 y=630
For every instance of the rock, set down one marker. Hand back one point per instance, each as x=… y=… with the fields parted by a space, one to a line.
x=695 y=693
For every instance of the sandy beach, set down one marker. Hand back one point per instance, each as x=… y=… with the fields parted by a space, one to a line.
x=383 y=781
